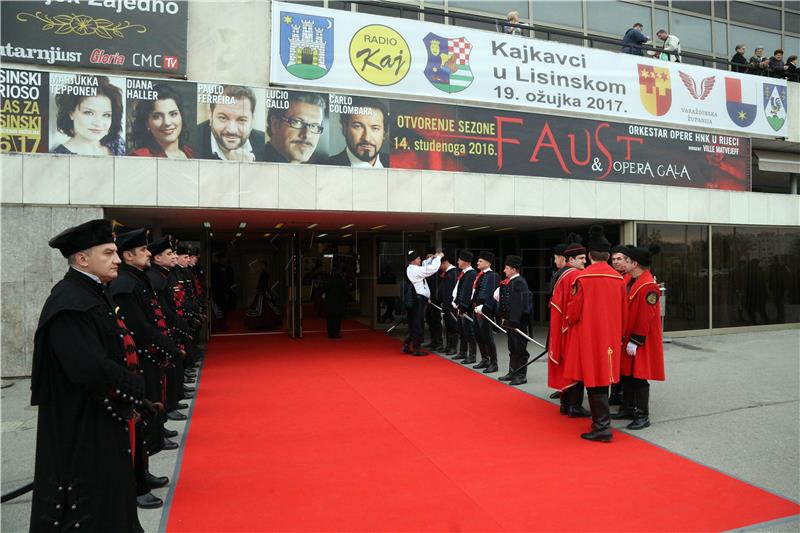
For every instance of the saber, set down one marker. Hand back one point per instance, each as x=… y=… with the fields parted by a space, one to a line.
x=537 y=343
x=436 y=306
x=391 y=328
x=530 y=362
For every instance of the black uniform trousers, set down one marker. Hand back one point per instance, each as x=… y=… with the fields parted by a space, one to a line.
x=484 y=336
x=416 y=320
x=434 y=319
x=518 y=349
x=467 y=332
x=450 y=323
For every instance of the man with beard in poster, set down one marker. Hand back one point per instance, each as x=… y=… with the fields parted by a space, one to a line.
x=86 y=383
x=364 y=135
x=294 y=132
x=228 y=134
x=595 y=318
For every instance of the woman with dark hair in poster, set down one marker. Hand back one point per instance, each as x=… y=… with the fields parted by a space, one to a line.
x=158 y=126
x=91 y=116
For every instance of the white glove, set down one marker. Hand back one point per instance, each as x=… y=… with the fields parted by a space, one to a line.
x=631 y=349
x=454 y=305
x=479 y=309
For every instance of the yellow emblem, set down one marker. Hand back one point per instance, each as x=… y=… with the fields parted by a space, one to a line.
x=380 y=55
x=652 y=298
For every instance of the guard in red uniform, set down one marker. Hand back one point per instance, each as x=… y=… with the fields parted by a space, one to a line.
x=595 y=317
x=621 y=263
x=571 y=392
x=643 y=349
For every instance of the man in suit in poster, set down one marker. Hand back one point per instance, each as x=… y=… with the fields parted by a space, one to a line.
x=364 y=132
x=228 y=134
x=294 y=132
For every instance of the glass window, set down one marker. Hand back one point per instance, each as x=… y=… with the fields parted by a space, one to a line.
x=495 y=7
x=662 y=20
x=791 y=45
x=339 y=5
x=753 y=38
x=756 y=276
x=318 y=3
x=693 y=32
x=617 y=17
x=792 y=4
x=791 y=22
x=388 y=11
x=721 y=39
x=566 y=13
x=682 y=266
x=467 y=23
x=703 y=7
x=434 y=17
x=721 y=9
x=759 y=16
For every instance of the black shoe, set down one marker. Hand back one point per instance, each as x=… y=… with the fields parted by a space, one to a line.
x=555 y=395
x=622 y=414
x=155 y=482
x=491 y=368
x=483 y=364
x=175 y=415
x=597 y=437
x=437 y=348
x=450 y=351
x=507 y=377
x=601 y=421
x=169 y=433
x=148 y=501
x=563 y=410
x=188 y=381
x=188 y=389
x=181 y=405
x=419 y=352
x=577 y=411
x=187 y=395
x=518 y=380
x=460 y=357
x=170 y=444
x=639 y=422
x=406 y=349
x=469 y=360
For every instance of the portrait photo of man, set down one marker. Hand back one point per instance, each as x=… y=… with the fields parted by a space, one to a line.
x=294 y=132
x=364 y=132
x=229 y=134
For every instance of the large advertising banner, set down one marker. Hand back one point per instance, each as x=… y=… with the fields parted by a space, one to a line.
x=137 y=35
x=344 y=51
x=65 y=113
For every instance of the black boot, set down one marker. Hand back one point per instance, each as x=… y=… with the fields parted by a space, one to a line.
x=462 y=351
x=601 y=416
x=406 y=348
x=492 y=366
x=576 y=409
x=564 y=397
x=626 y=410
x=471 y=355
x=483 y=350
x=452 y=345
x=418 y=350
x=554 y=395
x=641 y=415
x=615 y=398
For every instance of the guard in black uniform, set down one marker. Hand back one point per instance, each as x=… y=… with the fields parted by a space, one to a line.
x=514 y=298
x=446 y=284
x=433 y=316
x=138 y=303
x=89 y=390
x=484 y=286
x=462 y=302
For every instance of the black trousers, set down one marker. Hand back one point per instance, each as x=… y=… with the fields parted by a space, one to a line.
x=334 y=325
x=484 y=335
x=467 y=330
x=518 y=349
x=450 y=323
x=416 y=321
x=434 y=319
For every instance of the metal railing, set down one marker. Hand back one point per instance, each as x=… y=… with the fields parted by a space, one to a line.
x=531 y=30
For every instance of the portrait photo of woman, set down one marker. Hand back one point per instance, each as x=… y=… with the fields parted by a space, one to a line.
x=92 y=124
x=160 y=125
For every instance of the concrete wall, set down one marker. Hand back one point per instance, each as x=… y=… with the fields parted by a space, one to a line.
x=130 y=181
x=29 y=270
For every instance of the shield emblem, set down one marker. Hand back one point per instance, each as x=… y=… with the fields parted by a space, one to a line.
x=741 y=114
x=775 y=105
x=306 y=44
x=655 y=89
x=448 y=63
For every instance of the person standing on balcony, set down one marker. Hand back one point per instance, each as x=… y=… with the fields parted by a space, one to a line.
x=739 y=59
x=758 y=63
x=633 y=39
x=671 y=49
x=792 y=72
x=512 y=18
x=777 y=69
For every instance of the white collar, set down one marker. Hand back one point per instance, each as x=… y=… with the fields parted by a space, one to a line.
x=87 y=274
x=216 y=150
x=358 y=163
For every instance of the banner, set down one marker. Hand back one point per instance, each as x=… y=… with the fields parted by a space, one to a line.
x=340 y=50
x=137 y=35
x=81 y=114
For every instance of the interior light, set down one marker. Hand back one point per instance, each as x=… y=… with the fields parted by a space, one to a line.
x=312 y=226
x=506 y=229
x=279 y=225
x=242 y=225
x=267 y=234
x=381 y=226
x=238 y=234
x=479 y=228
x=321 y=235
x=347 y=226
x=211 y=234
x=347 y=235
x=450 y=227
x=207 y=225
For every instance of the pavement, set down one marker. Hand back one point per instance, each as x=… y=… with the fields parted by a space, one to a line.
x=730 y=402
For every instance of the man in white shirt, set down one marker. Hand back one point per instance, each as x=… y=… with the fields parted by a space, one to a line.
x=671 y=48
x=416 y=272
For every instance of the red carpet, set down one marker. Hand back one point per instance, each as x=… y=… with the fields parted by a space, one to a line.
x=351 y=435
x=311 y=323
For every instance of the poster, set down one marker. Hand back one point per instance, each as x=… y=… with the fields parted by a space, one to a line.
x=161 y=118
x=230 y=123
x=355 y=52
x=140 y=35
x=297 y=127
x=23 y=110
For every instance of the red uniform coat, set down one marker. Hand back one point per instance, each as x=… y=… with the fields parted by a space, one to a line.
x=643 y=328
x=556 y=341
x=595 y=317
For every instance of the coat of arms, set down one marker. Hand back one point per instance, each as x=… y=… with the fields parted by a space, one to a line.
x=448 y=63
x=655 y=89
x=741 y=113
x=775 y=105
x=306 y=45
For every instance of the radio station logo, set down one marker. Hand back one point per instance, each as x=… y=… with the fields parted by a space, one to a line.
x=448 y=66
x=741 y=113
x=306 y=45
x=705 y=86
x=655 y=89
x=380 y=55
x=775 y=105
